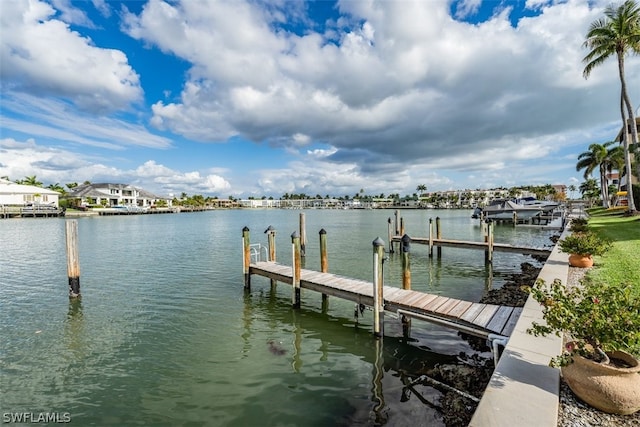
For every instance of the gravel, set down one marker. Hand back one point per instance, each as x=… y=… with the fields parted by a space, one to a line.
x=572 y=412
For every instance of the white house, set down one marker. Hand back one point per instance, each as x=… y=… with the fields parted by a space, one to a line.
x=12 y=194
x=114 y=195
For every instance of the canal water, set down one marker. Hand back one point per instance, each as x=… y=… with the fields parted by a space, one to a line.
x=164 y=333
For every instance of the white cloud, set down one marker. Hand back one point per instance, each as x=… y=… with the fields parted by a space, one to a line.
x=403 y=81
x=41 y=54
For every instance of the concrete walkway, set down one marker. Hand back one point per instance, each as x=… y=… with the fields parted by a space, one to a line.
x=524 y=390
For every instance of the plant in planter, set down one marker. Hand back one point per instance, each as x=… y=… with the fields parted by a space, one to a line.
x=582 y=246
x=602 y=326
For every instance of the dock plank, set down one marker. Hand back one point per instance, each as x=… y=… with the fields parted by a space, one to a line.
x=484 y=318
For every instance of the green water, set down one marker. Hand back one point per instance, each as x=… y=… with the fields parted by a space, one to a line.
x=164 y=333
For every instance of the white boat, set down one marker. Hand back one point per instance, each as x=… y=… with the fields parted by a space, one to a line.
x=504 y=209
x=545 y=205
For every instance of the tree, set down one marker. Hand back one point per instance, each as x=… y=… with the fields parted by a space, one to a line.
x=71 y=185
x=31 y=180
x=589 y=189
x=57 y=187
x=591 y=160
x=421 y=189
x=572 y=189
x=617 y=33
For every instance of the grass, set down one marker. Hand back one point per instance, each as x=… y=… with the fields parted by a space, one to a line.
x=621 y=264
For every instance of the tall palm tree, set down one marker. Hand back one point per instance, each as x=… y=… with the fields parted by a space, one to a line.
x=31 y=180
x=617 y=33
x=592 y=160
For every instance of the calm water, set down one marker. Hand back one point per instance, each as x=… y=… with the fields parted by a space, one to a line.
x=165 y=335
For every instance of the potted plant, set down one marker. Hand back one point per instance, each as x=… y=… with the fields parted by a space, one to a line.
x=601 y=327
x=582 y=246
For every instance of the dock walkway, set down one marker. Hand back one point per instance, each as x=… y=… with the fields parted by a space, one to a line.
x=497 y=247
x=473 y=318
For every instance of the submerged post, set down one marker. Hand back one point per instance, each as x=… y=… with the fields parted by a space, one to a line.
x=378 y=283
x=324 y=262
x=439 y=236
x=295 y=243
x=73 y=266
x=303 y=235
x=246 y=258
x=390 y=235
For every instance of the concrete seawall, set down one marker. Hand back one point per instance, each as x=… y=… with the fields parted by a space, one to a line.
x=524 y=390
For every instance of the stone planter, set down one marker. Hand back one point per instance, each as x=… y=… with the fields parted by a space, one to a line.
x=581 y=261
x=603 y=386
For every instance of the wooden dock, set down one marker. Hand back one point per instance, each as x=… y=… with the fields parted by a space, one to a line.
x=482 y=320
x=497 y=247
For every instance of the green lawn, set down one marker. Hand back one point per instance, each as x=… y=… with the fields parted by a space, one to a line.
x=622 y=263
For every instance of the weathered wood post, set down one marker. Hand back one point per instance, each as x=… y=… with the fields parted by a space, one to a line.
x=401 y=226
x=271 y=250
x=390 y=235
x=439 y=236
x=246 y=259
x=73 y=265
x=295 y=243
x=271 y=243
x=324 y=262
x=378 y=283
x=488 y=253
x=397 y=223
x=430 y=237
x=406 y=266
x=515 y=218
x=303 y=235
x=406 y=279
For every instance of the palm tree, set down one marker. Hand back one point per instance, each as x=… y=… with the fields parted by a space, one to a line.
x=589 y=188
x=572 y=189
x=617 y=33
x=31 y=180
x=421 y=189
x=57 y=187
x=591 y=160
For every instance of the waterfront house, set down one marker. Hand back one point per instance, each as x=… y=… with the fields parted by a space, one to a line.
x=106 y=194
x=12 y=194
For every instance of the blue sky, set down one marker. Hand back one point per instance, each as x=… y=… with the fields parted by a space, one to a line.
x=252 y=98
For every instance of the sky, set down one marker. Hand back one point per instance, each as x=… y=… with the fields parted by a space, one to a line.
x=271 y=97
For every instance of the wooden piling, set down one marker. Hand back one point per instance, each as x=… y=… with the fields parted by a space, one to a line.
x=271 y=250
x=397 y=222
x=246 y=259
x=390 y=235
x=378 y=284
x=406 y=267
x=324 y=262
x=303 y=235
x=488 y=253
x=401 y=226
x=73 y=264
x=430 y=237
x=406 y=280
x=295 y=265
x=438 y=236
x=515 y=218
x=271 y=243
